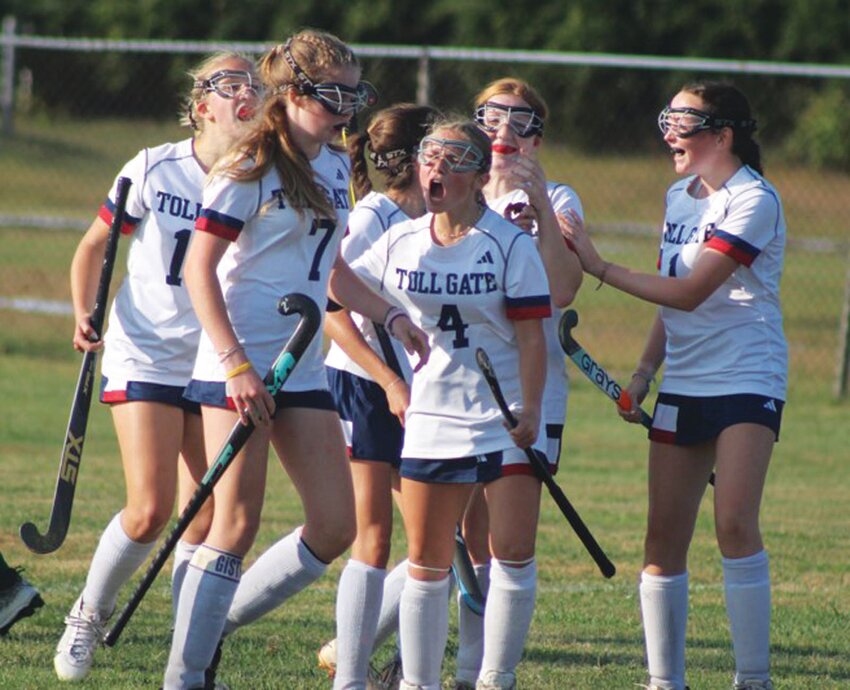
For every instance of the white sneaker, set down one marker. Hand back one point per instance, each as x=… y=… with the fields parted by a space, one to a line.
x=327 y=658
x=19 y=600
x=753 y=684
x=497 y=680
x=75 y=652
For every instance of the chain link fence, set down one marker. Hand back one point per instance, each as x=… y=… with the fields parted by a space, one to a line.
x=75 y=110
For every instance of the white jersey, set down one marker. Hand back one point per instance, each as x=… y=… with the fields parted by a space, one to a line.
x=733 y=342
x=369 y=219
x=464 y=296
x=275 y=250
x=562 y=198
x=153 y=332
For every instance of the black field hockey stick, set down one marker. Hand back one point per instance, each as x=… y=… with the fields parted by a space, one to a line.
x=462 y=568
x=277 y=375
x=75 y=433
x=595 y=372
x=541 y=469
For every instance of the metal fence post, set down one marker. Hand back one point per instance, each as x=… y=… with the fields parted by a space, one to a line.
x=7 y=97
x=423 y=79
x=842 y=382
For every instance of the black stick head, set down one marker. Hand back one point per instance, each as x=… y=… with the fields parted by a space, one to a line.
x=483 y=362
x=297 y=303
x=569 y=320
x=40 y=543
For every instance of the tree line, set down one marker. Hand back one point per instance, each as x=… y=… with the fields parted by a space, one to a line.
x=810 y=119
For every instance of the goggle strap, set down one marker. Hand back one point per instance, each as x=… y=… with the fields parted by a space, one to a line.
x=305 y=81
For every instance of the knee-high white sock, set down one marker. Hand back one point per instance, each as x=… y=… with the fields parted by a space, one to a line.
x=183 y=553
x=208 y=588
x=424 y=627
x=507 y=618
x=115 y=560
x=358 y=603
x=664 y=604
x=286 y=568
x=747 y=585
x=388 y=618
x=470 y=632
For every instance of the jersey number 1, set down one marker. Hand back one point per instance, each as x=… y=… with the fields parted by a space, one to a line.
x=182 y=238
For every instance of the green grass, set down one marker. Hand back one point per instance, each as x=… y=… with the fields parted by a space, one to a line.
x=586 y=633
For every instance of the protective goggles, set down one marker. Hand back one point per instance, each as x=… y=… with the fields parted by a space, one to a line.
x=524 y=122
x=337 y=99
x=459 y=155
x=686 y=122
x=340 y=99
x=227 y=83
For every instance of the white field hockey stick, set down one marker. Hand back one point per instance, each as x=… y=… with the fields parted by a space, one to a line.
x=277 y=375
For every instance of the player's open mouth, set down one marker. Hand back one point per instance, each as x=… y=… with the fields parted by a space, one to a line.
x=244 y=112
x=504 y=149
x=436 y=190
x=677 y=152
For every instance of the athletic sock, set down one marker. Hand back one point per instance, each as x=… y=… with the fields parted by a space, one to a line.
x=747 y=584
x=286 y=568
x=358 y=603
x=388 y=618
x=115 y=560
x=507 y=617
x=470 y=632
x=183 y=553
x=424 y=629
x=208 y=588
x=664 y=605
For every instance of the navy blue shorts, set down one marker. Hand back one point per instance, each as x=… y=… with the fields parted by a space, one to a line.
x=685 y=420
x=213 y=394
x=147 y=392
x=473 y=469
x=371 y=431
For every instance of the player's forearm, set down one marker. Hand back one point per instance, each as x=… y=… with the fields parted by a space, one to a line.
x=563 y=269
x=346 y=288
x=532 y=363
x=340 y=327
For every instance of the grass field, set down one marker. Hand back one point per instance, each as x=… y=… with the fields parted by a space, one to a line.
x=586 y=633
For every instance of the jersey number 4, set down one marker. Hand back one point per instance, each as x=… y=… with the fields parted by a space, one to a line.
x=450 y=321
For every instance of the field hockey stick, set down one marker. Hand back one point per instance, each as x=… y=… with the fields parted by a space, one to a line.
x=464 y=574
x=597 y=375
x=241 y=432
x=592 y=370
x=541 y=469
x=75 y=433
x=462 y=568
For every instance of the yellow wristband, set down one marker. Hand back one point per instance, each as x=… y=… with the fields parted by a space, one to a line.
x=241 y=369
